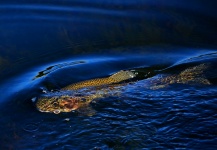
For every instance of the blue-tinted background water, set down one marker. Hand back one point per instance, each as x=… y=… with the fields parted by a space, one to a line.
x=50 y=44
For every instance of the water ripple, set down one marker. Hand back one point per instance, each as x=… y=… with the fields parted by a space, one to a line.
x=86 y=10
x=56 y=67
x=178 y=117
x=56 y=12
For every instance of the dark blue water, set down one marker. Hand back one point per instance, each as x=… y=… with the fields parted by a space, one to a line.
x=50 y=44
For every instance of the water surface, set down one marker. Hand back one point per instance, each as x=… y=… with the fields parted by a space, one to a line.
x=47 y=45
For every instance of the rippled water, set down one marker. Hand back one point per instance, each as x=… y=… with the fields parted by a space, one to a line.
x=47 y=45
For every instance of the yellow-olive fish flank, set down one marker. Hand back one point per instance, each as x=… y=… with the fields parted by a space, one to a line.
x=115 y=78
x=66 y=103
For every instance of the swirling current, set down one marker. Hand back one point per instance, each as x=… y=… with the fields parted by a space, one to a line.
x=48 y=45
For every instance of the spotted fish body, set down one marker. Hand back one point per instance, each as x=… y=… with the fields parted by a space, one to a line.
x=66 y=103
x=115 y=78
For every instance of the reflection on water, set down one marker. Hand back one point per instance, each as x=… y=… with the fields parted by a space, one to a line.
x=56 y=67
x=47 y=45
x=36 y=32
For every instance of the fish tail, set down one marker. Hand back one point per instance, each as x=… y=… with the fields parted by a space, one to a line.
x=195 y=74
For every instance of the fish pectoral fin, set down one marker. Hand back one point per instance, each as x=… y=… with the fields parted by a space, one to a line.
x=86 y=110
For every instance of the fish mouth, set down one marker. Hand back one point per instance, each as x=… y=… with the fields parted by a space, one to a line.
x=57 y=105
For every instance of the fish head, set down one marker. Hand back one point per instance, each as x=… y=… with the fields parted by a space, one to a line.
x=58 y=104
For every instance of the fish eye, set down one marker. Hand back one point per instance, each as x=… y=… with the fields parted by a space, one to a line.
x=55 y=104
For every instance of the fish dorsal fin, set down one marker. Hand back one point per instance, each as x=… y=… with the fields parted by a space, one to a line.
x=122 y=75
